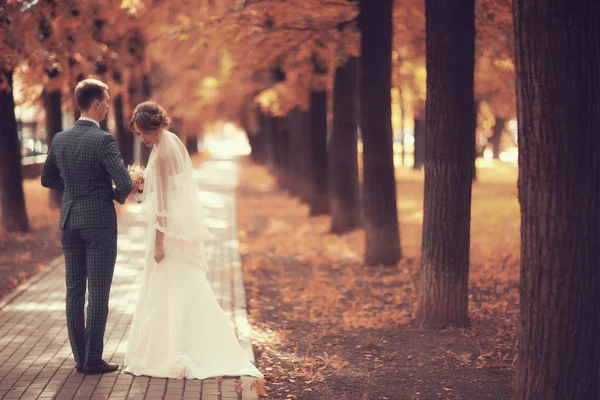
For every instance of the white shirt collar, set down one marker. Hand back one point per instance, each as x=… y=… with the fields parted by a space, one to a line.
x=89 y=119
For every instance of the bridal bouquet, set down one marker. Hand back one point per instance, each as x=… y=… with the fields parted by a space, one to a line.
x=136 y=172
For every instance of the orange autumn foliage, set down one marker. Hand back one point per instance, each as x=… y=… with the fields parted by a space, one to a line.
x=213 y=60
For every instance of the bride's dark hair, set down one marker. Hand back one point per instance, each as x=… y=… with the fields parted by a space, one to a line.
x=148 y=117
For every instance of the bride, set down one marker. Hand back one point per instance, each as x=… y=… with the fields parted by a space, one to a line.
x=178 y=329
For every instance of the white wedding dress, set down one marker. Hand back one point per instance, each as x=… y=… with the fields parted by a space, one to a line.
x=179 y=329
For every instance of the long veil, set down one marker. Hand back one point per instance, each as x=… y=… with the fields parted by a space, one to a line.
x=171 y=200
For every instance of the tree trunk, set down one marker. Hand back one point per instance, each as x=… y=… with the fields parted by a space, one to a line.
x=124 y=137
x=191 y=143
x=52 y=105
x=319 y=203
x=496 y=138
x=147 y=94
x=283 y=154
x=382 y=233
x=300 y=155
x=475 y=154
x=558 y=92
x=258 y=141
x=448 y=163
x=179 y=129
x=266 y=141
x=273 y=133
x=79 y=78
x=12 y=197
x=420 y=138
x=257 y=144
x=402 y=130
x=344 y=187
x=294 y=163
x=104 y=124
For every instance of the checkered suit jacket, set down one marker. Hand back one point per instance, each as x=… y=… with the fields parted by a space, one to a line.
x=82 y=162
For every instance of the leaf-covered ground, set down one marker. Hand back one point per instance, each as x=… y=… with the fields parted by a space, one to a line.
x=24 y=255
x=326 y=327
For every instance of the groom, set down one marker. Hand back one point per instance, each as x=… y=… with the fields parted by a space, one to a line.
x=83 y=162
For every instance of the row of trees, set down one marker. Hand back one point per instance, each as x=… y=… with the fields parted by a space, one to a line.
x=558 y=174
x=205 y=61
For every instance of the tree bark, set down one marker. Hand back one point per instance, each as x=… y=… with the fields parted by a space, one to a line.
x=420 y=146
x=147 y=94
x=78 y=78
x=558 y=92
x=178 y=127
x=294 y=166
x=283 y=154
x=475 y=154
x=52 y=105
x=319 y=201
x=450 y=60
x=124 y=137
x=382 y=235
x=273 y=133
x=344 y=187
x=300 y=155
x=12 y=197
x=402 y=129
x=257 y=144
x=265 y=132
x=258 y=141
x=496 y=138
x=191 y=143
x=104 y=124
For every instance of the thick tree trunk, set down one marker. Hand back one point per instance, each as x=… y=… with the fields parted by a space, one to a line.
x=266 y=139
x=252 y=142
x=104 y=124
x=191 y=143
x=124 y=137
x=300 y=155
x=558 y=92
x=319 y=202
x=382 y=233
x=259 y=140
x=294 y=163
x=344 y=187
x=448 y=163
x=420 y=138
x=496 y=138
x=12 y=197
x=273 y=133
x=257 y=144
x=283 y=154
x=52 y=105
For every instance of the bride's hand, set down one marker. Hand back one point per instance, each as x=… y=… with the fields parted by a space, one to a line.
x=159 y=252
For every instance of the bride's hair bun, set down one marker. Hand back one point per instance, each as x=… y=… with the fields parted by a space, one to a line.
x=149 y=117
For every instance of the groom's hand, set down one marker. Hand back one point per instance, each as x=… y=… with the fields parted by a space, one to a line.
x=159 y=253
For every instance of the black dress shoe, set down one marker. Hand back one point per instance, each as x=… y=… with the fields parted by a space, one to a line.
x=79 y=367
x=99 y=368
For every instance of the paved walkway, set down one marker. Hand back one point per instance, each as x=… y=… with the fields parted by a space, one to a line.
x=35 y=356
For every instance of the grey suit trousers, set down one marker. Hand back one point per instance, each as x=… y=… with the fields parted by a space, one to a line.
x=90 y=254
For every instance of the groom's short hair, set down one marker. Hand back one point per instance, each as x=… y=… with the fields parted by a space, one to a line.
x=87 y=91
